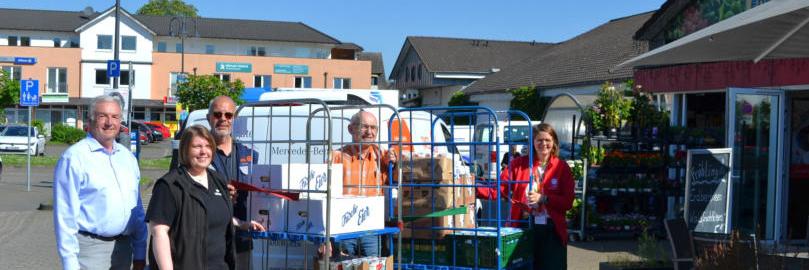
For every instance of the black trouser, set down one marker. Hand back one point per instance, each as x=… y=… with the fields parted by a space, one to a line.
x=549 y=251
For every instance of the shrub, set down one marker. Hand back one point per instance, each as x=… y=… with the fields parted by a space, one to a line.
x=39 y=125
x=66 y=134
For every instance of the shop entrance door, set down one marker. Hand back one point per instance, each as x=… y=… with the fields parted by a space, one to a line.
x=755 y=127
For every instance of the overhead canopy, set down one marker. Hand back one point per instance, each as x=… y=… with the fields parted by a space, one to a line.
x=776 y=29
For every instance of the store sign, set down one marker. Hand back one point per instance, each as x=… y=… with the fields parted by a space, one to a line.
x=25 y=60
x=170 y=100
x=18 y=60
x=708 y=187
x=291 y=69
x=233 y=67
x=55 y=98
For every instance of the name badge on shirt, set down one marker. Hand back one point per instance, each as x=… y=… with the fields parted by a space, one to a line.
x=217 y=193
x=541 y=219
x=554 y=184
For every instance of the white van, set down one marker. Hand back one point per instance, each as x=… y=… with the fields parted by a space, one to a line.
x=486 y=157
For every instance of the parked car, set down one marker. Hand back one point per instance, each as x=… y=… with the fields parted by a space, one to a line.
x=151 y=135
x=14 y=139
x=160 y=127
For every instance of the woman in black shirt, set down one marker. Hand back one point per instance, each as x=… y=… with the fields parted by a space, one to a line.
x=190 y=213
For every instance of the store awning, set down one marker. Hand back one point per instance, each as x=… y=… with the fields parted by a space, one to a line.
x=773 y=30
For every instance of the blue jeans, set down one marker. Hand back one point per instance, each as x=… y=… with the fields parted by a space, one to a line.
x=369 y=246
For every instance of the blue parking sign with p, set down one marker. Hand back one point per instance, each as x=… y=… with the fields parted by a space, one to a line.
x=113 y=68
x=29 y=92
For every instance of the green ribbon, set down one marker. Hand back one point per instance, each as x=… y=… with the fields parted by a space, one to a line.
x=448 y=212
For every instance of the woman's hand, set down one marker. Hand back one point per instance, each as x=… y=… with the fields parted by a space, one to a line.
x=248 y=226
x=533 y=199
x=253 y=226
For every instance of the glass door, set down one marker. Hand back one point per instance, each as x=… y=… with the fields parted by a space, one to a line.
x=755 y=128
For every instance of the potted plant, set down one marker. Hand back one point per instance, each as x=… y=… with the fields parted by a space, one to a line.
x=608 y=110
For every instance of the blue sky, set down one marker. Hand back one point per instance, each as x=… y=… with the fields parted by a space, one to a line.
x=382 y=25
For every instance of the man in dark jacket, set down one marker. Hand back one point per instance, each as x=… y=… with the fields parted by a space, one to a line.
x=232 y=161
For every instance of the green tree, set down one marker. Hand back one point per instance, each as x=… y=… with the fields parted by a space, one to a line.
x=198 y=91
x=528 y=100
x=9 y=93
x=459 y=98
x=168 y=8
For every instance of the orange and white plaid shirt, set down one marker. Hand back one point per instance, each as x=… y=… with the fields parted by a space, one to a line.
x=364 y=172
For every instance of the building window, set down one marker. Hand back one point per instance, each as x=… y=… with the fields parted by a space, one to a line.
x=258 y=51
x=407 y=74
x=420 y=68
x=178 y=47
x=14 y=71
x=374 y=80
x=74 y=42
x=262 y=81
x=125 y=78
x=104 y=42
x=210 y=49
x=101 y=77
x=342 y=83
x=57 y=42
x=129 y=43
x=412 y=73
x=222 y=76
x=161 y=46
x=12 y=40
x=57 y=80
x=25 y=41
x=303 y=82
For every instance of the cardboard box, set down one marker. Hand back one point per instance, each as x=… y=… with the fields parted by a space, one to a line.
x=282 y=254
x=420 y=228
x=299 y=176
x=268 y=210
x=383 y=263
x=348 y=214
x=427 y=168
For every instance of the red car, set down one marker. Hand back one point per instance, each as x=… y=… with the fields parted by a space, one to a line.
x=160 y=127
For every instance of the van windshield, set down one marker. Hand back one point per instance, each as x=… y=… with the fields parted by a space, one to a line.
x=515 y=133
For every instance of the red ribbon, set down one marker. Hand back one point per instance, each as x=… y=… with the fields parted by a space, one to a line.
x=292 y=196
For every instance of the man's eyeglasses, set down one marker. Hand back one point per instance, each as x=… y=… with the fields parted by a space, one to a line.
x=217 y=115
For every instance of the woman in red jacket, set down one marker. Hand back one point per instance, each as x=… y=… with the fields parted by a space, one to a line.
x=545 y=200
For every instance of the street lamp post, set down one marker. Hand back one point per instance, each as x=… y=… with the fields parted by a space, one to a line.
x=178 y=27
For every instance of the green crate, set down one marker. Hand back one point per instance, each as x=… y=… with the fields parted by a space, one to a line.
x=517 y=247
x=423 y=251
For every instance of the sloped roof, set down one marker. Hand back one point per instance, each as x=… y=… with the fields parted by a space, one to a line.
x=377 y=66
x=442 y=54
x=584 y=59
x=68 y=21
x=42 y=20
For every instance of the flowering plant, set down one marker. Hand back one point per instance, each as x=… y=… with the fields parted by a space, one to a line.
x=609 y=108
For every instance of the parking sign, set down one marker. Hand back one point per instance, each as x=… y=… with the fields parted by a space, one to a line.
x=29 y=92
x=113 y=68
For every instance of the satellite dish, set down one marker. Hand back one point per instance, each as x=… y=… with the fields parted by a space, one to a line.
x=87 y=12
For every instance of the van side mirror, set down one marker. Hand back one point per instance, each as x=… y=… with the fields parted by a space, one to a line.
x=40 y=136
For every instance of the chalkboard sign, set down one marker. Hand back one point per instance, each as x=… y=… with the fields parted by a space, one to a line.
x=708 y=189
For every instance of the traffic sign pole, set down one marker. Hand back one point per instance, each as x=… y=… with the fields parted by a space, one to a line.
x=29 y=97
x=29 y=147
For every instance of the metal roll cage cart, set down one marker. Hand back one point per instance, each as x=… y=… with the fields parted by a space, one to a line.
x=307 y=156
x=429 y=218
